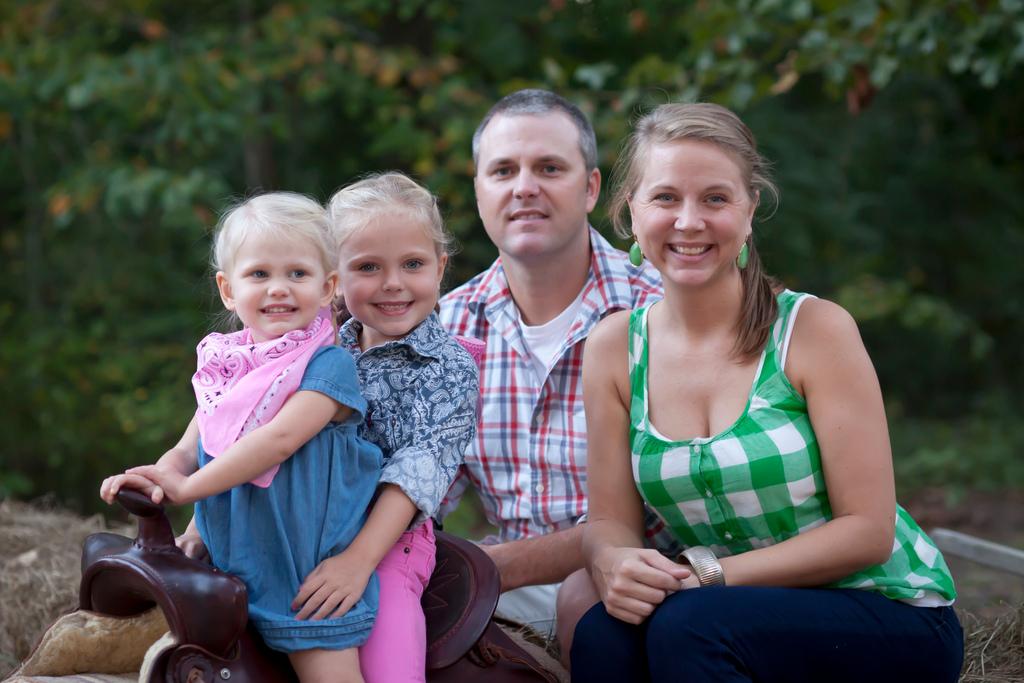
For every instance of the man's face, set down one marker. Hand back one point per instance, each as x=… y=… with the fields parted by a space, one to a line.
x=533 y=190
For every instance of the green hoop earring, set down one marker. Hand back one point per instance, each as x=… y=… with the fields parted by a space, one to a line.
x=743 y=257
x=636 y=257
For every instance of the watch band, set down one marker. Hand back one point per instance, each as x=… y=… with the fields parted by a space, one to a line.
x=705 y=565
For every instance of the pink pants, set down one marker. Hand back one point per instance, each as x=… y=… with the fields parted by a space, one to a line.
x=397 y=648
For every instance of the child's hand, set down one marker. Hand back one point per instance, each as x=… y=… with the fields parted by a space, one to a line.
x=170 y=482
x=129 y=480
x=191 y=543
x=333 y=587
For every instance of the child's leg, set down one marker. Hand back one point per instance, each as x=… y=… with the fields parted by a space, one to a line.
x=327 y=666
x=397 y=648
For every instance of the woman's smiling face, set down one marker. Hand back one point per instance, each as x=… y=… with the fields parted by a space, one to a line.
x=691 y=211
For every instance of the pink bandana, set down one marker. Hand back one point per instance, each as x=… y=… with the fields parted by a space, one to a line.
x=241 y=385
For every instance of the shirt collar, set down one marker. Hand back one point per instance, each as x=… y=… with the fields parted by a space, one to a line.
x=607 y=286
x=424 y=340
x=611 y=275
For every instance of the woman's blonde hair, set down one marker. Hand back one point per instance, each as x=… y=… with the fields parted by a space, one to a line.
x=282 y=215
x=712 y=123
x=386 y=195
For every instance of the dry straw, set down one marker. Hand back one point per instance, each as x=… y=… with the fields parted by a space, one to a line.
x=40 y=554
x=994 y=648
x=40 y=569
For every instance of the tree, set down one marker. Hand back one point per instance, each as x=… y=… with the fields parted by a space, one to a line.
x=124 y=127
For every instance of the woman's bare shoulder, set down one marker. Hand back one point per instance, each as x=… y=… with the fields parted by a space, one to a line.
x=820 y=319
x=606 y=353
x=825 y=343
x=611 y=332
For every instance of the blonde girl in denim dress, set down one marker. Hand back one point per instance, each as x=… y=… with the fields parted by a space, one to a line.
x=273 y=459
x=422 y=389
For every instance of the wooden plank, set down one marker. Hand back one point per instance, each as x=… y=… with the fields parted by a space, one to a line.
x=995 y=555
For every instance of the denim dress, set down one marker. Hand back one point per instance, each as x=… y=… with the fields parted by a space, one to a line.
x=273 y=538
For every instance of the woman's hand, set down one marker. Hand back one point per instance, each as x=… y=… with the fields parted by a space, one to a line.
x=633 y=581
x=333 y=587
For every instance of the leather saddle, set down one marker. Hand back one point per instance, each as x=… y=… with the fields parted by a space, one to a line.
x=207 y=611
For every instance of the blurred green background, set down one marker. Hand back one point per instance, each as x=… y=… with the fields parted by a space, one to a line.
x=896 y=130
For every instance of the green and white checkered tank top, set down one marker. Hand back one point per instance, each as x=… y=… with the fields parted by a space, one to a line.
x=760 y=481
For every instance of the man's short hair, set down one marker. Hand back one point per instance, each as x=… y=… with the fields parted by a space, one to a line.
x=536 y=102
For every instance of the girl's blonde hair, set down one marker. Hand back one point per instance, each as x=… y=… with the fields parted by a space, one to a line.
x=283 y=215
x=386 y=195
x=389 y=194
x=712 y=123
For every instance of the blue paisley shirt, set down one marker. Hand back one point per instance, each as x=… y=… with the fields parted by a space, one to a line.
x=421 y=393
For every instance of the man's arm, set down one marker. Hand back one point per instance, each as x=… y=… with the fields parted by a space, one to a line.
x=538 y=560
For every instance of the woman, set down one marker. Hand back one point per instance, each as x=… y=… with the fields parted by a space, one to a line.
x=760 y=437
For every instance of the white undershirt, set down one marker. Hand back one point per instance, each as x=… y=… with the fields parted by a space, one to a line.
x=544 y=340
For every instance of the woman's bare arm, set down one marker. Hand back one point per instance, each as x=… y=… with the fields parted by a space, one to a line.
x=828 y=364
x=630 y=580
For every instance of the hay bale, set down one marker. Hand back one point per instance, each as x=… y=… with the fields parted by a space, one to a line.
x=40 y=570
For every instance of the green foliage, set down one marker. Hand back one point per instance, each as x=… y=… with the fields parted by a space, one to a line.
x=125 y=126
x=468 y=520
x=910 y=216
x=980 y=450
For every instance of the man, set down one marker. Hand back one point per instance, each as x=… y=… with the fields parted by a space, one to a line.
x=536 y=180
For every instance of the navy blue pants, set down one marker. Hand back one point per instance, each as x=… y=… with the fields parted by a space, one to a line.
x=771 y=635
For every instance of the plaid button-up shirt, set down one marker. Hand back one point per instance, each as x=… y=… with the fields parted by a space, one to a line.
x=528 y=461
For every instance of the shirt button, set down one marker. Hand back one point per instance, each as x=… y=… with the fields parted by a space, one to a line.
x=728 y=536
x=539 y=420
x=549 y=528
x=696 y=448
x=539 y=488
x=707 y=492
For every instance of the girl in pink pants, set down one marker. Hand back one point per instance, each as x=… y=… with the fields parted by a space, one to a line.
x=421 y=388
